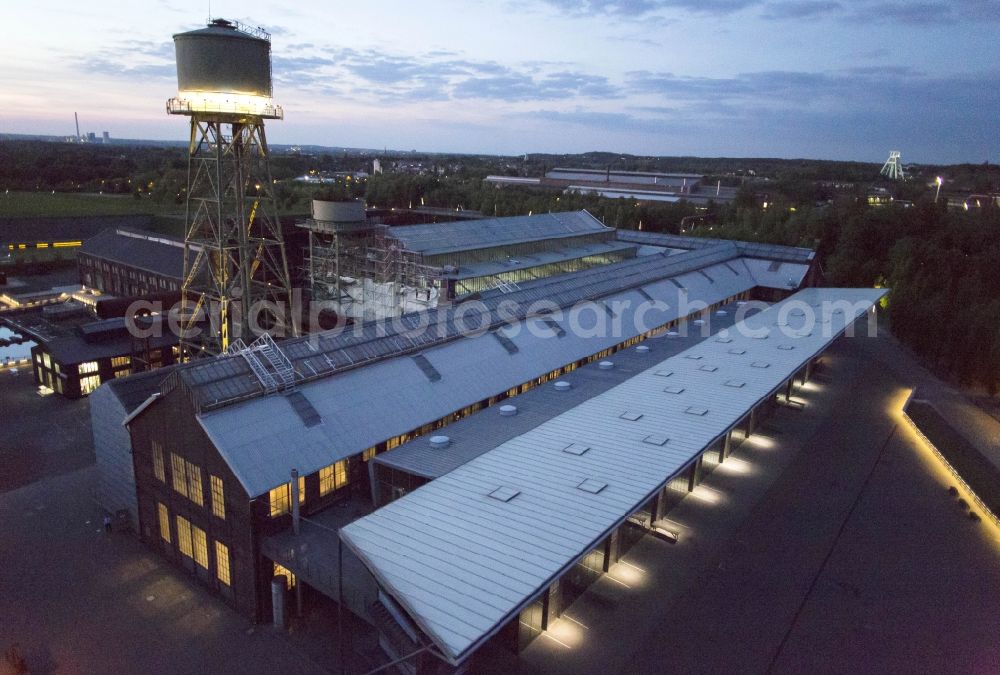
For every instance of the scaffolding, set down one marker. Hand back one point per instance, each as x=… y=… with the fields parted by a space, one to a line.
x=366 y=274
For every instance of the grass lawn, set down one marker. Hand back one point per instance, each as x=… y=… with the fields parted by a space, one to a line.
x=41 y=204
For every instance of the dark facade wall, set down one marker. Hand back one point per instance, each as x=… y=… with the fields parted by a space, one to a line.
x=171 y=422
x=65 y=378
x=110 y=276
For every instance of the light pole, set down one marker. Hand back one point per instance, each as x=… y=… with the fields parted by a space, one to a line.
x=938 y=193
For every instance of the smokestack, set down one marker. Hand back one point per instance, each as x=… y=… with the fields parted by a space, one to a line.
x=77 y=118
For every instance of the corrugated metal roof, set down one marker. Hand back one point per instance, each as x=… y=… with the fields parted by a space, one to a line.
x=225 y=380
x=360 y=410
x=746 y=248
x=485 y=430
x=463 y=235
x=462 y=564
x=776 y=273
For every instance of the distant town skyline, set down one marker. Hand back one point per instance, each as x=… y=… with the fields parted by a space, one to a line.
x=824 y=79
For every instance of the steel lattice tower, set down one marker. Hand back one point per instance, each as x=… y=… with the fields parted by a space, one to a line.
x=893 y=167
x=235 y=268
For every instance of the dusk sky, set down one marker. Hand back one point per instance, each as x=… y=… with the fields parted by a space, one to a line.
x=835 y=79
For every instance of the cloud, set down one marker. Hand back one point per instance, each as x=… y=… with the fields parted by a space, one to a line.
x=136 y=59
x=437 y=75
x=800 y=9
x=907 y=12
x=643 y=8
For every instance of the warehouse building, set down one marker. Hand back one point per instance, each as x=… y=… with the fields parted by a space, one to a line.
x=368 y=271
x=76 y=350
x=495 y=548
x=643 y=186
x=214 y=489
x=129 y=262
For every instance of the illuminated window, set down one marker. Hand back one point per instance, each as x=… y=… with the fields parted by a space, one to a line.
x=194 y=484
x=368 y=454
x=46 y=360
x=184 y=537
x=164 y=521
x=158 y=469
x=89 y=384
x=222 y=563
x=179 y=474
x=333 y=477
x=200 y=546
x=218 y=497
x=120 y=362
x=287 y=573
x=281 y=497
x=88 y=367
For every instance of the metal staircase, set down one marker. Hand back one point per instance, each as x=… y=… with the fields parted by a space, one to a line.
x=269 y=364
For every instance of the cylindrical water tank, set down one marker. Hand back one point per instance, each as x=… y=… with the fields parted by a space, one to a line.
x=220 y=58
x=339 y=212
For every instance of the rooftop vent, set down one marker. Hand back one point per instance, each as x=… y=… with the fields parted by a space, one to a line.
x=759 y=336
x=631 y=416
x=656 y=439
x=699 y=322
x=721 y=312
x=760 y=364
x=576 y=449
x=674 y=390
x=735 y=384
x=693 y=357
x=562 y=385
x=708 y=368
x=724 y=340
x=508 y=410
x=592 y=486
x=695 y=410
x=440 y=441
x=554 y=327
x=737 y=352
x=605 y=365
x=426 y=367
x=504 y=494
x=664 y=373
x=786 y=347
x=672 y=333
x=505 y=342
x=642 y=349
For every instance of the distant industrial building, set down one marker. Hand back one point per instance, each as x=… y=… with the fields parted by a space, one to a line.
x=640 y=186
x=129 y=262
x=76 y=351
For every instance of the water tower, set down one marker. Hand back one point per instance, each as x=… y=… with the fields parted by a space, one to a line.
x=234 y=254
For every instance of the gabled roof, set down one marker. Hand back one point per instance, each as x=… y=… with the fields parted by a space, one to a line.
x=463 y=235
x=361 y=407
x=745 y=248
x=463 y=563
